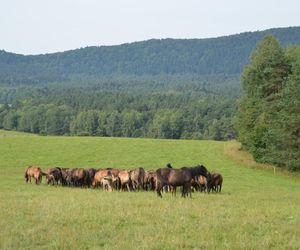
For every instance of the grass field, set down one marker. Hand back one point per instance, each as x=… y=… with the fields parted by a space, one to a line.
x=258 y=209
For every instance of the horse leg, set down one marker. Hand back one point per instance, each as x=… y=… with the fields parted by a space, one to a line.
x=183 y=191
x=190 y=190
x=174 y=191
x=158 y=189
x=207 y=187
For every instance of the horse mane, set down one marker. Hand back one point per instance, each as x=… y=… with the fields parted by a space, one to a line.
x=201 y=166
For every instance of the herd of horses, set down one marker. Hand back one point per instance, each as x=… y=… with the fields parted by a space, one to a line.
x=196 y=178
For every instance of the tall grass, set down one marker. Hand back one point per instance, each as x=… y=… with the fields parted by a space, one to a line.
x=256 y=209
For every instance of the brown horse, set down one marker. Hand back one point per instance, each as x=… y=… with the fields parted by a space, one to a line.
x=202 y=182
x=66 y=178
x=215 y=183
x=149 y=180
x=34 y=172
x=137 y=178
x=90 y=176
x=99 y=176
x=79 y=176
x=178 y=177
x=115 y=172
x=124 y=178
x=53 y=176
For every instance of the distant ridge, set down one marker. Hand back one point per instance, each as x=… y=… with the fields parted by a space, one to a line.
x=209 y=56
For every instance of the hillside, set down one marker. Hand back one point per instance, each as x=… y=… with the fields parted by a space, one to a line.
x=223 y=55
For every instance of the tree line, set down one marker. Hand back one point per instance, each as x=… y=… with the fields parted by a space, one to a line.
x=193 y=123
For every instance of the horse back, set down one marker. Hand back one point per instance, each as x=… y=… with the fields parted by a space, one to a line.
x=179 y=177
x=33 y=171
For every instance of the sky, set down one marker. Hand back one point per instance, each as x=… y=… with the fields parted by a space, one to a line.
x=46 y=26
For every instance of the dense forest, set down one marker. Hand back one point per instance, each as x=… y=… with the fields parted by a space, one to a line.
x=170 y=88
x=268 y=118
x=160 y=107
x=224 y=55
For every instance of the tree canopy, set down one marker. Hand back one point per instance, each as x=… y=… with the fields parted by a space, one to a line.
x=267 y=119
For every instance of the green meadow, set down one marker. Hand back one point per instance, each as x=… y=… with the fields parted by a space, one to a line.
x=259 y=207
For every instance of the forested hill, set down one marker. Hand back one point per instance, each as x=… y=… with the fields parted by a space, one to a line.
x=171 y=88
x=223 y=55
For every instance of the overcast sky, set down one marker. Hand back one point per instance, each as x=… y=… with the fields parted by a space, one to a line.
x=44 y=26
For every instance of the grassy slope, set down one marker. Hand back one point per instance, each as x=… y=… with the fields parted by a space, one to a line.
x=256 y=210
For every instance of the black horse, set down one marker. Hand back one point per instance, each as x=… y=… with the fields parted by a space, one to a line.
x=179 y=177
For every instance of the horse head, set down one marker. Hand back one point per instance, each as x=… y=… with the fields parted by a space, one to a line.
x=201 y=170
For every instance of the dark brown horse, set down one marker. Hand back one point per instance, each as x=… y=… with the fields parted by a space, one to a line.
x=53 y=176
x=90 y=176
x=178 y=177
x=79 y=176
x=215 y=183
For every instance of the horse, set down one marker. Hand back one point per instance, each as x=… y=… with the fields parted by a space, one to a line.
x=178 y=177
x=99 y=176
x=202 y=183
x=90 y=176
x=124 y=178
x=79 y=176
x=115 y=172
x=53 y=176
x=66 y=178
x=137 y=178
x=215 y=183
x=149 y=180
x=35 y=172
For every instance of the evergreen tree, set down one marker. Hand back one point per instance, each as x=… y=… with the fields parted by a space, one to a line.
x=262 y=81
x=288 y=129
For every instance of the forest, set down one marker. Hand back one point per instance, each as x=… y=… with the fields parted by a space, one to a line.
x=175 y=107
x=169 y=88
x=213 y=56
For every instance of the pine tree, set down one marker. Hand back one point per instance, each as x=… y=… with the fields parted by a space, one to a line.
x=288 y=147
x=262 y=81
